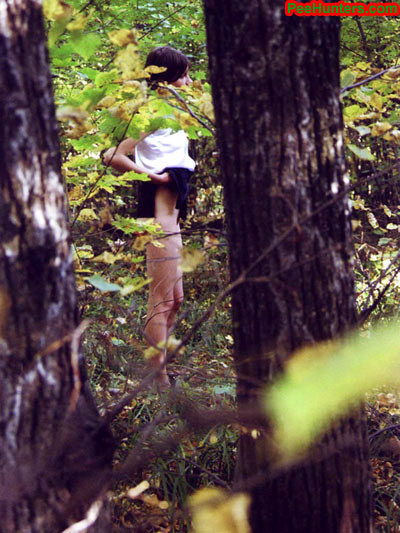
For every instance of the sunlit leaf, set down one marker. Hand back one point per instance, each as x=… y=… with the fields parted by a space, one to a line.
x=379 y=128
x=347 y=78
x=325 y=381
x=122 y=37
x=172 y=345
x=56 y=9
x=215 y=510
x=362 y=153
x=135 y=286
x=154 y=69
x=87 y=214
x=100 y=283
x=108 y=258
x=190 y=259
x=79 y=21
x=129 y=61
x=85 y=44
x=376 y=101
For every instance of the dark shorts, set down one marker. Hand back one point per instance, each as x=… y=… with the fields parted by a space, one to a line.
x=179 y=182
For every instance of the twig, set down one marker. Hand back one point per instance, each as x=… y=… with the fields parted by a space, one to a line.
x=187 y=108
x=90 y=518
x=365 y=313
x=216 y=478
x=380 y=431
x=367 y=80
x=363 y=39
x=162 y=21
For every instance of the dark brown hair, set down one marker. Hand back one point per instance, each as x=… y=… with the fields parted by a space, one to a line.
x=174 y=61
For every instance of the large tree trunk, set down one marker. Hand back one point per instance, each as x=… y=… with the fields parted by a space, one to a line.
x=49 y=431
x=275 y=84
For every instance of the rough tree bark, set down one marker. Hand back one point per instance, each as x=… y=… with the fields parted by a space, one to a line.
x=51 y=447
x=275 y=85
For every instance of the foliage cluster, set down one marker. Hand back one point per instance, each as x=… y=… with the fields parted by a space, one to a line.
x=97 y=54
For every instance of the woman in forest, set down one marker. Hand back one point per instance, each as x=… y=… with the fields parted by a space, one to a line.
x=162 y=155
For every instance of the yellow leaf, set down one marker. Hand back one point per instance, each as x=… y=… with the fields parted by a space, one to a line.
x=393 y=135
x=387 y=211
x=122 y=37
x=215 y=510
x=151 y=499
x=213 y=438
x=369 y=116
x=151 y=352
x=76 y=193
x=185 y=120
x=87 y=214
x=76 y=114
x=172 y=344
x=141 y=241
x=56 y=9
x=206 y=106
x=126 y=110
x=379 y=128
x=79 y=22
x=108 y=258
x=154 y=69
x=190 y=259
x=106 y=102
x=129 y=61
x=376 y=101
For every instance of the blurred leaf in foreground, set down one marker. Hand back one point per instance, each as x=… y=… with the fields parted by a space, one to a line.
x=325 y=381
x=216 y=510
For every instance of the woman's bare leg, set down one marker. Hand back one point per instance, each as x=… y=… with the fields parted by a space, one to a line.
x=165 y=288
x=166 y=291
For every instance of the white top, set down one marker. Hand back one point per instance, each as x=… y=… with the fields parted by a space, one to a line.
x=162 y=149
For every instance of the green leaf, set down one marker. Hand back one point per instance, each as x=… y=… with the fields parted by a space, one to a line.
x=325 y=381
x=104 y=78
x=361 y=153
x=134 y=176
x=347 y=78
x=103 y=285
x=85 y=44
x=353 y=111
x=57 y=29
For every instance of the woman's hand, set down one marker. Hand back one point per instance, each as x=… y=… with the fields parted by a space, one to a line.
x=160 y=179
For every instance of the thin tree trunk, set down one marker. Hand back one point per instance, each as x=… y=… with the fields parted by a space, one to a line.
x=275 y=85
x=48 y=441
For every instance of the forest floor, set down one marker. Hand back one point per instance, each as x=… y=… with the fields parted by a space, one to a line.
x=206 y=457
x=174 y=460
x=383 y=410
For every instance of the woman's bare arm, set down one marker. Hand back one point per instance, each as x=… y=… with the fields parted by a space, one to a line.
x=118 y=159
